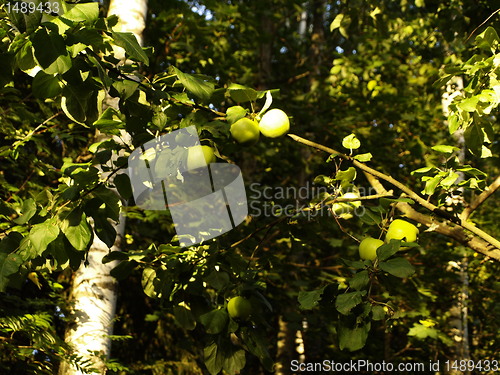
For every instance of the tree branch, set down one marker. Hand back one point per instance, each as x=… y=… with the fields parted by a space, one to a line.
x=490 y=190
x=456 y=232
x=483 y=244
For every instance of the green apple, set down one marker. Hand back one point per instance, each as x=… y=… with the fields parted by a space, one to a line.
x=368 y=248
x=239 y=307
x=345 y=210
x=245 y=131
x=199 y=156
x=274 y=123
x=401 y=230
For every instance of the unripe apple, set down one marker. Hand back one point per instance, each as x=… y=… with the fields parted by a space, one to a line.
x=239 y=307
x=368 y=248
x=245 y=131
x=401 y=230
x=274 y=123
x=200 y=156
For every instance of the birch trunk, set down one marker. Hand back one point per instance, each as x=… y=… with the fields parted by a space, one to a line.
x=459 y=312
x=94 y=290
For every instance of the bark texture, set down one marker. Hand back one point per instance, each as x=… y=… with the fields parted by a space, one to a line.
x=93 y=291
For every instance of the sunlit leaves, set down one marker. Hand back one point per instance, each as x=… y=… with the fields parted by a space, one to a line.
x=129 y=43
x=41 y=235
x=351 y=142
x=75 y=227
x=200 y=87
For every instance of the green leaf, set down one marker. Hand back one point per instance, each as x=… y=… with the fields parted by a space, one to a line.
x=199 y=87
x=217 y=279
x=24 y=56
x=351 y=142
x=336 y=22
x=76 y=229
x=159 y=119
x=184 y=317
x=234 y=360
x=148 y=282
x=369 y=217
x=453 y=123
x=371 y=84
x=75 y=102
x=111 y=200
x=363 y=158
x=345 y=302
x=123 y=185
x=41 y=235
x=50 y=52
x=114 y=255
x=215 y=321
x=354 y=338
x=424 y=170
x=241 y=94
x=449 y=180
x=388 y=250
x=468 y=170
x=104 y=230
x=488 y=39
x=421 y=331
x=131 y=46
x=125 y=89
x=88 y=12
x=356 y=264
x=267 y=104
x=214 y=358
x=445 y=149
x=431 y=183
x=474 y=139
x=28 y=211
x=9 y=265
x=109 y=122
x=346 y=176
x=359 y=280
x=399 y=267
x=28 y=21
x=378 y=312
x=46 y=85
x=235 y=113
x=257 y=345
x=469 y=104
x=309 y=300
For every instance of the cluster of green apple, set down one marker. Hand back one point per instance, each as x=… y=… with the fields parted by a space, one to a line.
x=398 y=230
x=245 y=131
x=273 y=124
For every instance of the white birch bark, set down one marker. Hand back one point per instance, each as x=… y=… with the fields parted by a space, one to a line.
x=93 y=292
x=459 y=312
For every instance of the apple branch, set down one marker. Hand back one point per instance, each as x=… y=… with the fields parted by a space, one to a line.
x=455 y=232
x=455 y=226
x=490 y=190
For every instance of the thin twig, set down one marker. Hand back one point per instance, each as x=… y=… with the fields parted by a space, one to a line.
x=486 y=20
x=490 y=190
